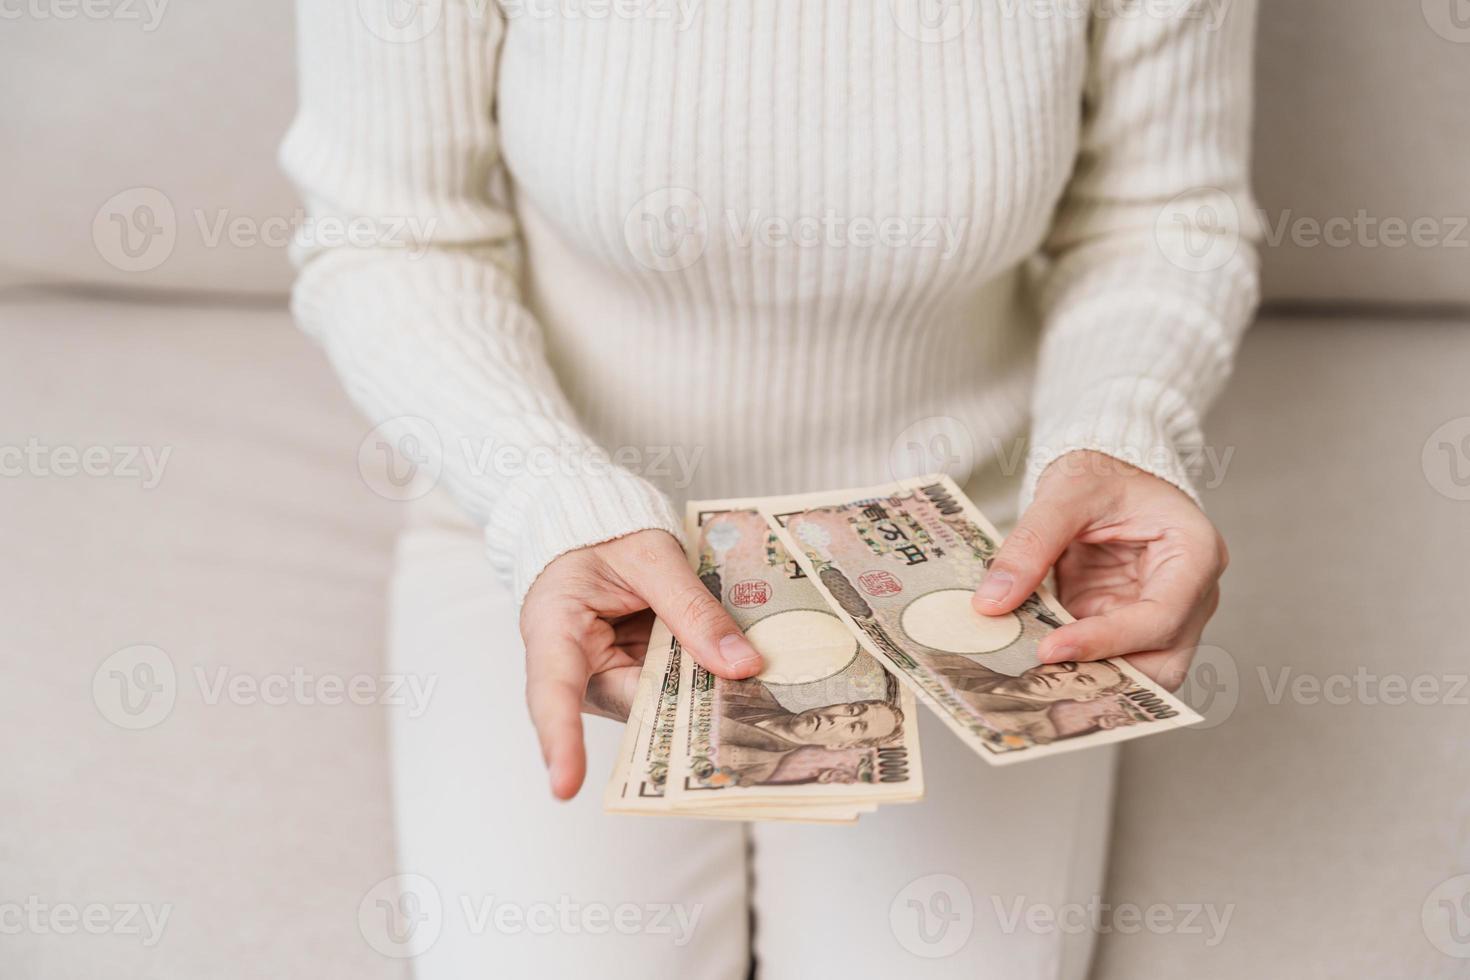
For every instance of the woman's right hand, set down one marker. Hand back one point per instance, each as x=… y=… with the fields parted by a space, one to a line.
x=585 y=623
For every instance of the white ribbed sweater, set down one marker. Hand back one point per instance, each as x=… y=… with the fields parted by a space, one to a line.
x=762 y=246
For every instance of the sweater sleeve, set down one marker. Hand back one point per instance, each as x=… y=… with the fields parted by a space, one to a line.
x=416 y=301
x=1150 y=270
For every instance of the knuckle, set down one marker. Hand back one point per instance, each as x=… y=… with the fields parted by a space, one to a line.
x=697 y=609
x=1024 y=544
x=643 y=549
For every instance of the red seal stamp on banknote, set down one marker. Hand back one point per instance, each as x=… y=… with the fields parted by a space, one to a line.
x=880 y=583
x=751 y=592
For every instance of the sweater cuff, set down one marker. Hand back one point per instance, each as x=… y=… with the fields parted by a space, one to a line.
x=1138 y=421
x=541 y=519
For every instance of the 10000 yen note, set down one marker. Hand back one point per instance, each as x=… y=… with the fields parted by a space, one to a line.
x=822 y=722
x=899 y=563
x=640 y=773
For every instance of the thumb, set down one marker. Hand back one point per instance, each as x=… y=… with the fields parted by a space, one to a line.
x=1027 y=554
x=696 y=618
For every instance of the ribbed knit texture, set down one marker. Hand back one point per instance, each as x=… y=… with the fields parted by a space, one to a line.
x=585 y=217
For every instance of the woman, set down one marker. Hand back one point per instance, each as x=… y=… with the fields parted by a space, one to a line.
x=776 y=242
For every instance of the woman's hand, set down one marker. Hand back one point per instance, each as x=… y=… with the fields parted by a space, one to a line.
x=586 y=622
x=1137 y=563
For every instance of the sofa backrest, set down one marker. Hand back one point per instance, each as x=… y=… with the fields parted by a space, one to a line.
x=142 y=133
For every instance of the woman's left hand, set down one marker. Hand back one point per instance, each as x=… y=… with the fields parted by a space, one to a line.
x=1137 y=562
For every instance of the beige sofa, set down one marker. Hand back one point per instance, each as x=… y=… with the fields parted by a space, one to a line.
x=1330 y=823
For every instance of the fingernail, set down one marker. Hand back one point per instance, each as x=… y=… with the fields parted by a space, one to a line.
x=737 y=651
x=1061 y=655
x=996 y=587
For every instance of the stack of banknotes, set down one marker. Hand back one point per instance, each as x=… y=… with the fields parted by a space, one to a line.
x=859 y=602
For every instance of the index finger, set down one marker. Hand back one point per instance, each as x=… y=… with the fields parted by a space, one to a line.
x=556 y=678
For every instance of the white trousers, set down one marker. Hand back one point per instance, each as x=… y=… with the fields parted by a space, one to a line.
x=983 y=878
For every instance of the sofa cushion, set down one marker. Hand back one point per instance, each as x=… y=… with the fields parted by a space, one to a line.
x=1327 y=797
x=1322 y=829
x=185 y=536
